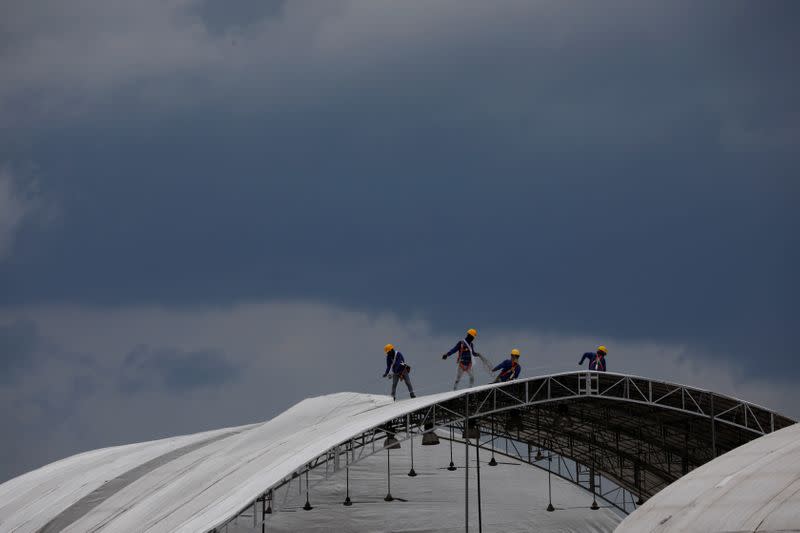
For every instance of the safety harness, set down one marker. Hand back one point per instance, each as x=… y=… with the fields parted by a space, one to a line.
x=598 y=358
x=471 y=355
x=510 y=371
x=402 y=372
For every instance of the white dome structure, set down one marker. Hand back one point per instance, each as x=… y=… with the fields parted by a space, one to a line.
x=613 y=440
x=754 y=488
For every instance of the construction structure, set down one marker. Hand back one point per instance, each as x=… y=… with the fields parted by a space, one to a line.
x=622 y=438
x=755 y=487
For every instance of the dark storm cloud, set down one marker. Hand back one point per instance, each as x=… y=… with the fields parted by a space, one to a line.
x=58 y=401
x=174 y=370
x=19 y=342
x=626 y=173
x=220 y=16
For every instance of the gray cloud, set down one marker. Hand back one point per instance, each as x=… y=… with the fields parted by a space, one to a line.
x=18 y=203
x=174 y=370
x=61 y=395
x=221 y=17
x=19 y=342
x=582 y=66
x=624 y=173
x=621 y=171
x=276 y=354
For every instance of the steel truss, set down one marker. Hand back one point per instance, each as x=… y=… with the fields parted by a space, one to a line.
x=637 y=434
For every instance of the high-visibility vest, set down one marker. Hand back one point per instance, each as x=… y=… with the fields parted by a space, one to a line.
x=510 y=371
x=597 y=359
x=471 y=353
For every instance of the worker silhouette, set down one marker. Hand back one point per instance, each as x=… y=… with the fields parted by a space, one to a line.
x=597 y=359
x=466 y=352
x=399 y=368
x=509 y=369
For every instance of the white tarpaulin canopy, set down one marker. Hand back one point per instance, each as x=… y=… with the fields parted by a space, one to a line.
x=190 y=483
x=754 y=488
x=200 y=482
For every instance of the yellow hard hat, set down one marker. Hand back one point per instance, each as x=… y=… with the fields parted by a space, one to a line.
x=388 y=348
x=515 y=352
x=473 y=332
x=602 y=349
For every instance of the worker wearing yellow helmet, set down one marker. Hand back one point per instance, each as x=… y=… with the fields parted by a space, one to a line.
x=597 y=359
x=466 y=351
x=397 y=364
x=509 y=369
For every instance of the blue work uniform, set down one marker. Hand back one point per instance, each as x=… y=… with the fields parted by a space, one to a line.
x=396 y=363
x=509 y=370
x=596 y=361
x=465 y=349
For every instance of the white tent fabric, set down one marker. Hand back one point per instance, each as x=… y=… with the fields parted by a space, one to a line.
x=753 y=488
x=190 y=483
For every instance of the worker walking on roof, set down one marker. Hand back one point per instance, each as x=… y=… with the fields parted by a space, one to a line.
x=509 y=369
x=466 y=351
x=597 y=360
x=397 y=364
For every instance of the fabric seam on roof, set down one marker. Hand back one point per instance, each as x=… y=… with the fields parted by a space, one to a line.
x=82 y=507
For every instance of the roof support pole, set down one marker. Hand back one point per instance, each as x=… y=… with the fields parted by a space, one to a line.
x=466 y=463
x=264 y=512
x=538 y=437
x=685 y=458
x=307 y=506
x=550 y=507
x=638 y=482
x=452 y=436
x=466 y=485
x=347 y=502
x=478 y=462
x=411 y=473
x=492 y=461
x=388 y=497
x=594 y=506
x=714 y=430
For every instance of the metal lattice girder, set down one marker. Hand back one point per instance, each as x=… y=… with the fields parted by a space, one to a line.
x=640 y=433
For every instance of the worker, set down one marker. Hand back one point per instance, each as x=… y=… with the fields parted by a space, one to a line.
x=597 y=359
x=397 y=364
x=509 y=369
x=466 y=351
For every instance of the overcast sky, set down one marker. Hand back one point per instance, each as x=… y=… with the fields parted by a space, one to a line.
x=211 y=209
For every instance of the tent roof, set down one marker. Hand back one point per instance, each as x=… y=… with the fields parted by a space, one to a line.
x=189 y=483
x=755 y=487
x=198 y=482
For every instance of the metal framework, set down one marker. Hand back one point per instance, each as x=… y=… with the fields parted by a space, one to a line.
x=637 y=434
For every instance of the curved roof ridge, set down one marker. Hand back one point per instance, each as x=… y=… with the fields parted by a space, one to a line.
x=215 y=478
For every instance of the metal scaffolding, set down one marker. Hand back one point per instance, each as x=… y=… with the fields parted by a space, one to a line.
x=622 y=437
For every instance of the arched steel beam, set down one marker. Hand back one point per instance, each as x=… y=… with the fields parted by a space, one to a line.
x=639 y=432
